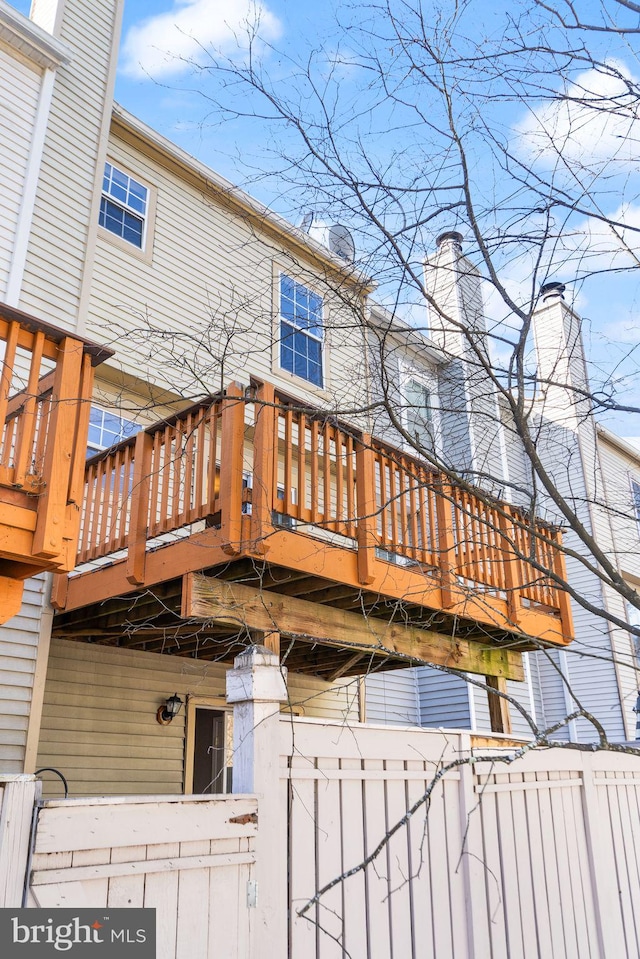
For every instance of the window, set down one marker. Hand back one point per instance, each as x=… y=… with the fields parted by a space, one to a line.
x=106 y=429
x=635 y=497
x=300 y=331
x=419 y=413
x=123 y=208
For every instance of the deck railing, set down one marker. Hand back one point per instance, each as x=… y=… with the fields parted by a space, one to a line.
x=251 y=464
x=46 y=379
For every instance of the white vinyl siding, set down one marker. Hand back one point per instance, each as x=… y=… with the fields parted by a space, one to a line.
x=18 y=649
x=79 y=113
x=444 y=699
x=99 y=717
x=391 y=697
x=17 y=114
x=224 y=289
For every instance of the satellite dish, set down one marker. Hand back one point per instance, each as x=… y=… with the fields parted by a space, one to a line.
x=341 y=242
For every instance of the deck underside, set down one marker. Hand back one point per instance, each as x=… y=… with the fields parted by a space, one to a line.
x=155 y=619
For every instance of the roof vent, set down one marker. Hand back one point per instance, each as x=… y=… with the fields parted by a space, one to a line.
x=335 y=237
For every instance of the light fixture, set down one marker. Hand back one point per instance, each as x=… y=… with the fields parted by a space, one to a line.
x=170 y=709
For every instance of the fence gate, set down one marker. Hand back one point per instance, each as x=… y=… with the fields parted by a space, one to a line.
x=190 y=857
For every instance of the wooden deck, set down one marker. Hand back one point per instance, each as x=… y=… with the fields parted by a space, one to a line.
x=284 y=501
x=46 y=381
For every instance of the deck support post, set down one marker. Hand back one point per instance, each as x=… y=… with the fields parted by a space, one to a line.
x=498 y=705
x=511 y=564
x=265 y=444
x=446 y=542
x=231 y=464
x=256 y=686
x=51 y=528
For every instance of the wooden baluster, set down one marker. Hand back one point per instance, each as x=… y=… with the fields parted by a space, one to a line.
x=366 y=506
x=350 y=479
x=326 y=473
x=265 y=448
x=416 y=536
x=5 y=381
x=28 y=417
x=138 y=524
x=164 y=477
x=154 y=514
x=446 y=542
x=339 y=525
x=315 y=490
x=231 y=469
x=200 y=445
x=52 y=503
x=287 y=500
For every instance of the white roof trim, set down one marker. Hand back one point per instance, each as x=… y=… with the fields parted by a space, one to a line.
x=31 y=40
x=225 y=186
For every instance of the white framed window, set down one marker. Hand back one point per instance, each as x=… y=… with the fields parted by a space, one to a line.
x=106 y=429
x=635 y=499
x=419 y=408
x=124 y=206
x=301 y=331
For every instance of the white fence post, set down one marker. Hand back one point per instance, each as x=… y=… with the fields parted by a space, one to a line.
x=256 y=686
x=17 y=798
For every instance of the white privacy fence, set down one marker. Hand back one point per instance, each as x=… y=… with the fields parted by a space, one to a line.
x=540 y=858
x=534 y=859
x=189 y=857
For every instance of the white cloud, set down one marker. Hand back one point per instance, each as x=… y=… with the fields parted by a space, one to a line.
x=593 y=122
x=170 y=43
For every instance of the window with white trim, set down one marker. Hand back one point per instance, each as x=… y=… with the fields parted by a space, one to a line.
x=635 y=498
x=124 y=206
x=301 y=331
x=419 y=412
x=106 y=429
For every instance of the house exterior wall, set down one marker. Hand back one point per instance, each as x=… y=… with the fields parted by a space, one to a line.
x=19 y=641
x=99 y=716
x=392 y=697
x=59 y=255
x=211 y=271
x=21 y=81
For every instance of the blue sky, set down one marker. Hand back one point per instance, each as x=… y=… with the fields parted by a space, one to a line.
x=161 y=79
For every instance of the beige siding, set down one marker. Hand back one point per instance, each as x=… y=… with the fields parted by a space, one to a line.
x=210 y=276
x=99 y=718
x=19 y=89
x=63 y=222
x=18 y=647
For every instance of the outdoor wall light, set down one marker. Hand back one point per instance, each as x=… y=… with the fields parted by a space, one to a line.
x=170 y=709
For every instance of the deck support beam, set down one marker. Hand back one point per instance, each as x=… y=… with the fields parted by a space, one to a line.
x=205 y=597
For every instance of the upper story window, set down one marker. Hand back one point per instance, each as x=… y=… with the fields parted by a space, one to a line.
x=301 y=331
x=124 y=206
x=419 y=412
x=635 y=497
x=106 y=429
